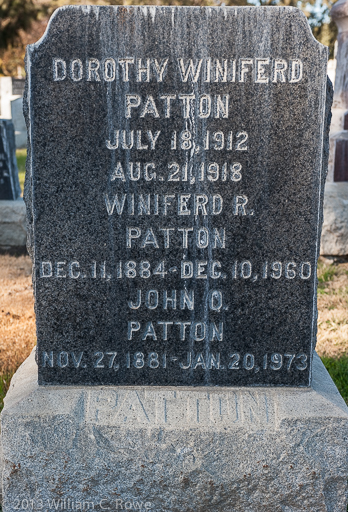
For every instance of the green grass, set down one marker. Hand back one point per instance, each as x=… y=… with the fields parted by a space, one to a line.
x=338 y=369
x=21 y=155
x=326 y=273
x=4 y=385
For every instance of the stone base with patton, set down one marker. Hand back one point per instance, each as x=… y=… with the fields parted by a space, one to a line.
x=216 y=449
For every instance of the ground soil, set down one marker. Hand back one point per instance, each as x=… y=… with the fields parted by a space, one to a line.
x=17 y=318
x=332 y=339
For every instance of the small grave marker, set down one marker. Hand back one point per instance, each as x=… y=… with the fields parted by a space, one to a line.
x=9 y=183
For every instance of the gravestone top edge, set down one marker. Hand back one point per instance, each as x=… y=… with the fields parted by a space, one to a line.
x=153 y=9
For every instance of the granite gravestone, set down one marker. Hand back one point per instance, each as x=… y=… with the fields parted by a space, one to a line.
x=9 y=183
x=177 y=164
x=174 y=199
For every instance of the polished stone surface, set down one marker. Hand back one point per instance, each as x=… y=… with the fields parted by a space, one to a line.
x=174 y=195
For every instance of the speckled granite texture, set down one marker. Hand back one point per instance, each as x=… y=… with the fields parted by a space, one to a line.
x=174 y=195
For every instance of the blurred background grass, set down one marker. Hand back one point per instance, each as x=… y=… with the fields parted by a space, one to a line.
x=338 y=369
x=21 y=155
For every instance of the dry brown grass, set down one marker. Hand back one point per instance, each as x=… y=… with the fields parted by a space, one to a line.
x=333 y=309
x=17 y=318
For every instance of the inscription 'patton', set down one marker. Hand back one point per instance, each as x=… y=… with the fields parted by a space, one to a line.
x=176 y=216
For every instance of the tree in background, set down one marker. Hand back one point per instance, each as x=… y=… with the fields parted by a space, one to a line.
x=16 y=20
x=23 y=22
x=16 y=15
x=322 y=27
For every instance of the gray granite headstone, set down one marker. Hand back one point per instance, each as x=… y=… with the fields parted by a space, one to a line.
x=174 y=195
x=9 y=182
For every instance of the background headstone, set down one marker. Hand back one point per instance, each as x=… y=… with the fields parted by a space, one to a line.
x=335 y=230
x=334 y=238
x=13 y=236
x=9 y=182
x=10 y=89
x=19 y=123
x=178 y=170
x=338 y=165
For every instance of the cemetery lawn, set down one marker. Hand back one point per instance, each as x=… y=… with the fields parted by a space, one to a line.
x=17 y=319
x=332 y=344
x=21 y=155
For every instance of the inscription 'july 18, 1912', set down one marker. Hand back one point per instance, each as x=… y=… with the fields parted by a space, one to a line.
x=174 y=206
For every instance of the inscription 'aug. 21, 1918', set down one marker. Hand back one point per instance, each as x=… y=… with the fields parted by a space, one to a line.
x=174 y=202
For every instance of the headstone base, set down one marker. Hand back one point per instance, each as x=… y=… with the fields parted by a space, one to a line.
x=13 y=234
x=128 y=448
x=334 y=235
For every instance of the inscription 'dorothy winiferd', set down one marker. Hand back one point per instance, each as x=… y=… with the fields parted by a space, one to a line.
x=260 y=70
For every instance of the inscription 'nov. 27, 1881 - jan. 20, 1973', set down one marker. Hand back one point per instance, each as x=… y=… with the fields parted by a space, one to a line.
x=174 y=195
